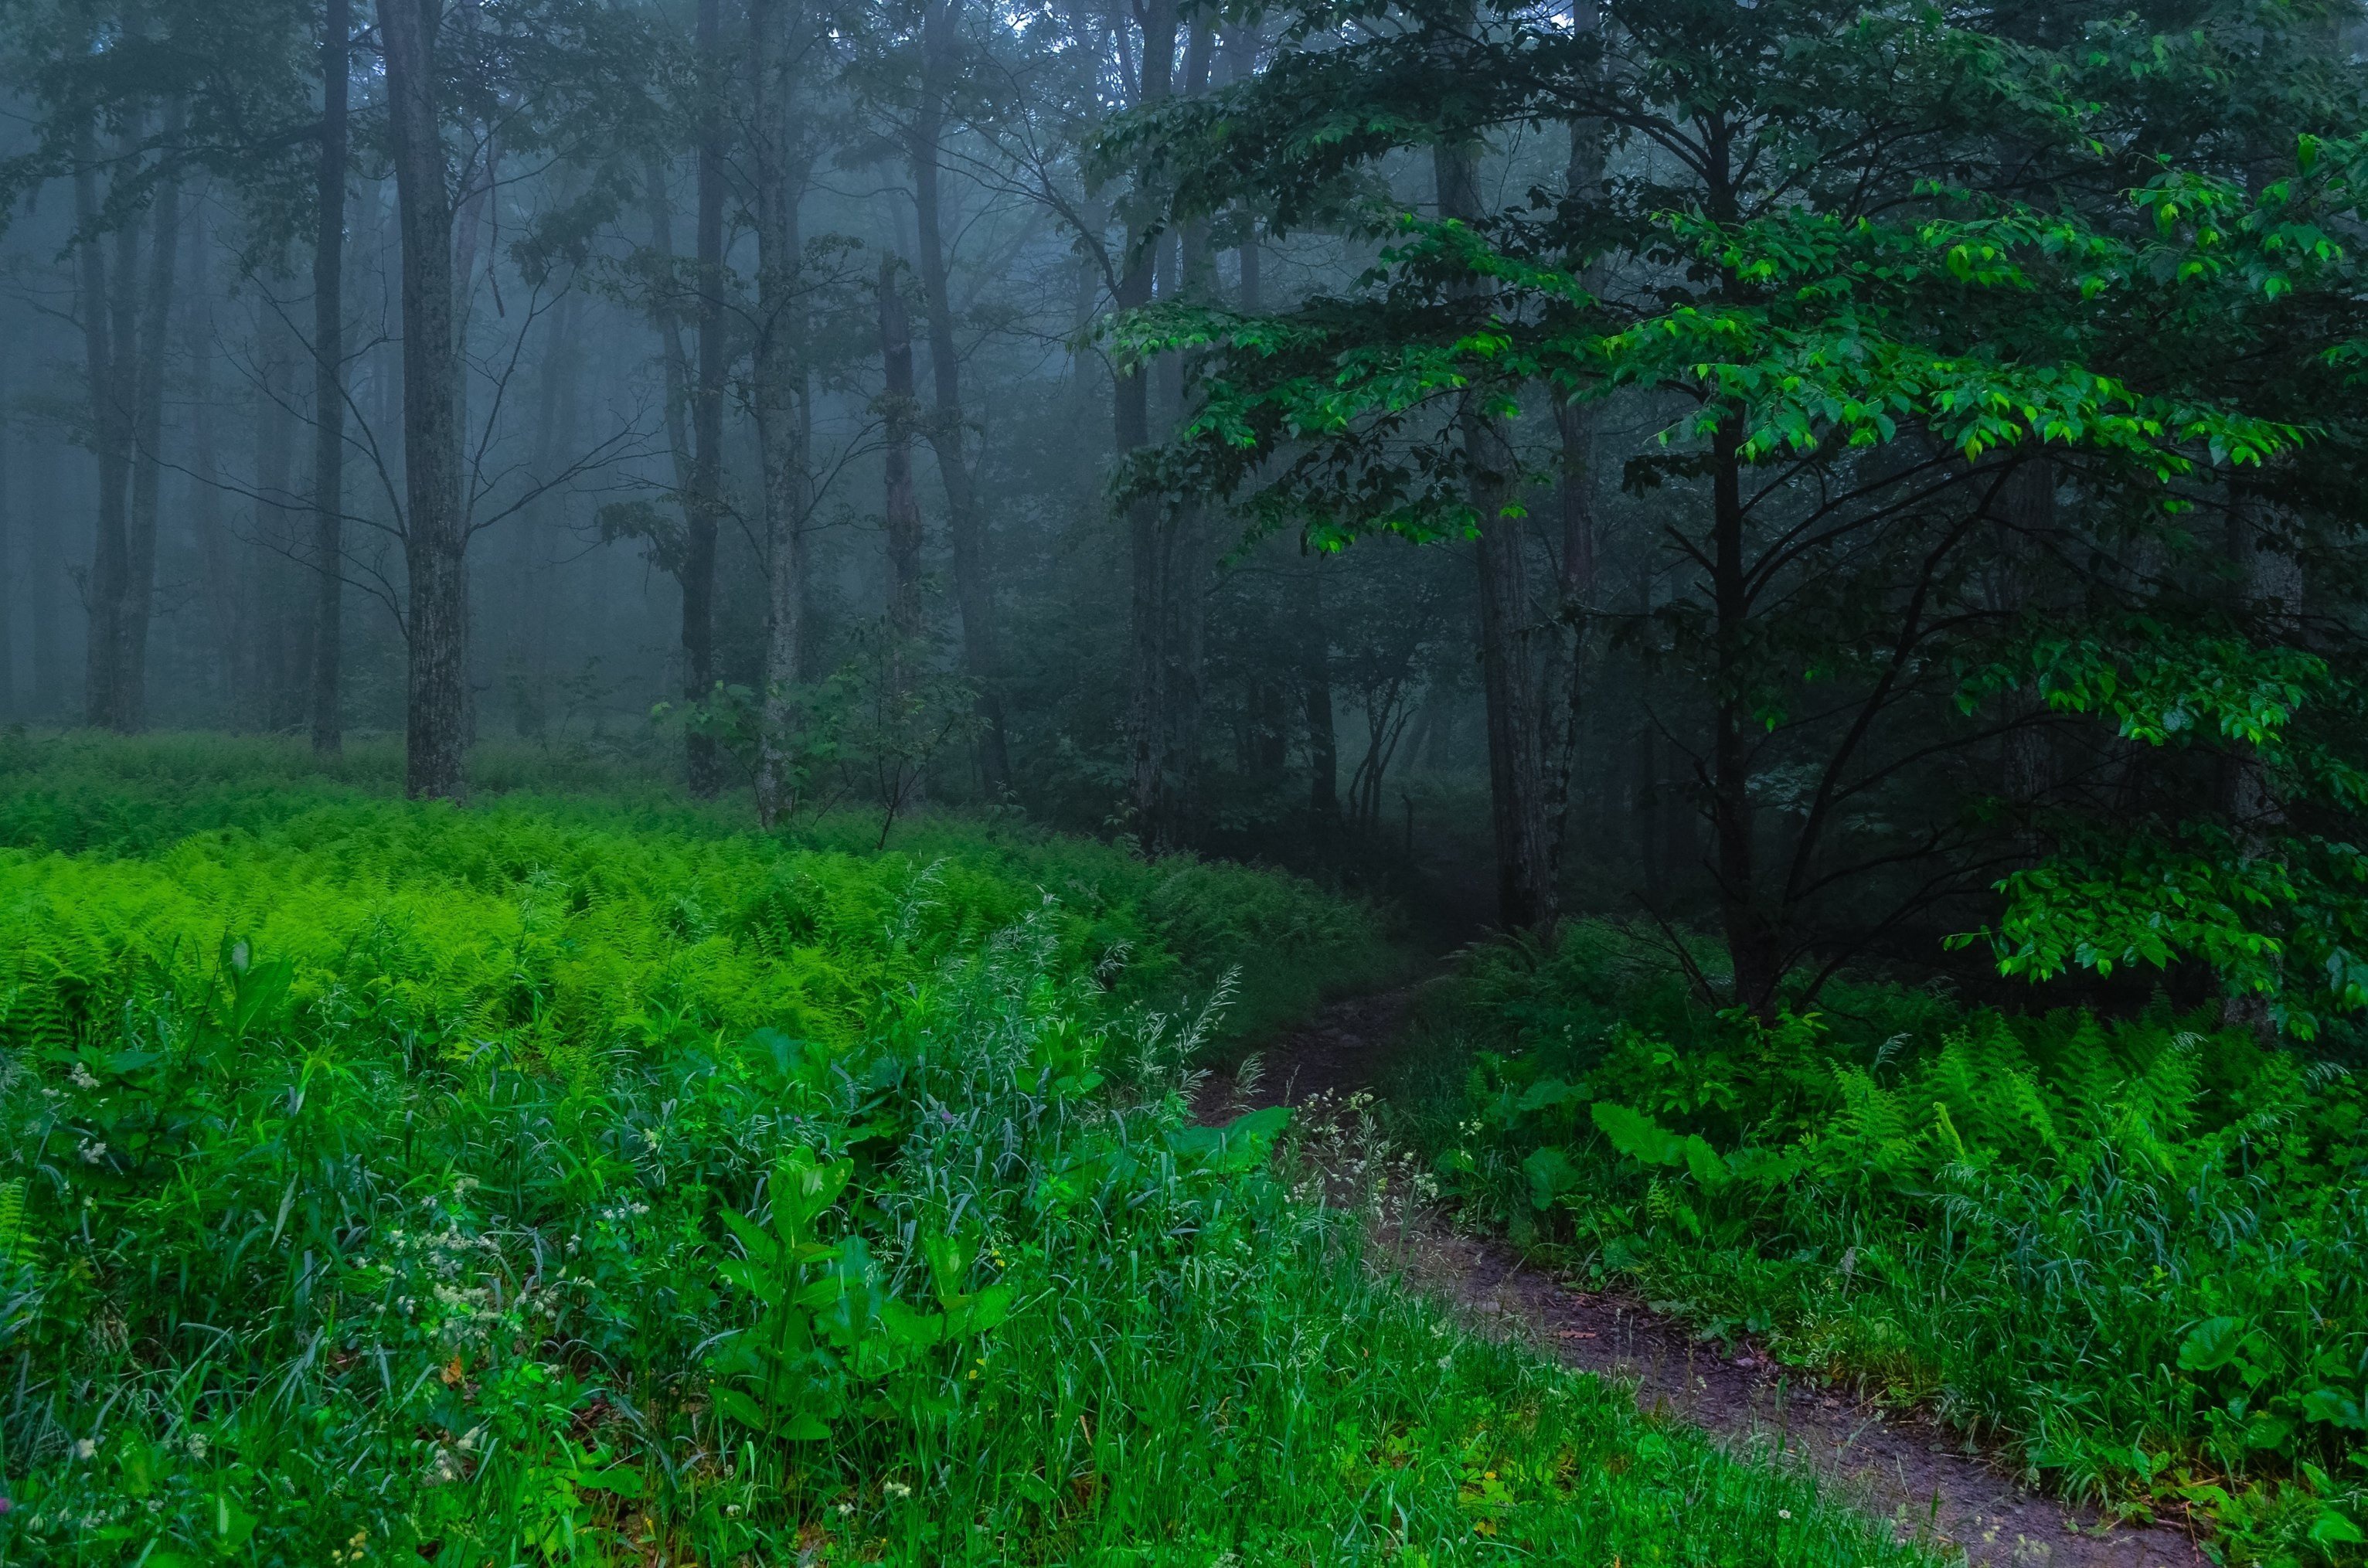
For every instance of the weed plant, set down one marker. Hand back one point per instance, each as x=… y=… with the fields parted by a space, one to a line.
x=581 y=1183
x=2132 y=1250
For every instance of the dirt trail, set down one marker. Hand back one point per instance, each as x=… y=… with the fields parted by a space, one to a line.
x=1911 y=1471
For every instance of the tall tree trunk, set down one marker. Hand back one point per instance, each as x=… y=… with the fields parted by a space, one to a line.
x=148 y=426
x=965 y=523
x=435 y=538
x=1752 y=933
x=1316 y=679
x=784 y=408
x=285 y=589
x=329 y=384
x=2027 y=503
x=901 y=505
x=45 y=580
x=704 y=507
x=9 y=578
x=1157 y=793
x=104 y=316
x=1527 y=895
x=224 y=589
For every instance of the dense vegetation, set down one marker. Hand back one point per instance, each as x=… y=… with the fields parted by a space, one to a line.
x=570 y=1181
x=2129 y=1249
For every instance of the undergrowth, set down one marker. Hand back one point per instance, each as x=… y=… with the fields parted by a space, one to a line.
x=581 y=1181
x=2132 y=1250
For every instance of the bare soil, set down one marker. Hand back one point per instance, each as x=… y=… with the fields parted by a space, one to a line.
x=1930 y=1482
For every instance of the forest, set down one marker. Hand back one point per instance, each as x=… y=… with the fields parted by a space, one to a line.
x=1183 y=781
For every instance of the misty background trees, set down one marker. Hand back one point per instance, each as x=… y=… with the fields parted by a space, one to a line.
x=1798 y=469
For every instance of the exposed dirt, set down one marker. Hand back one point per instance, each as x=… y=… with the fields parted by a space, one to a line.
x=1927 y=1481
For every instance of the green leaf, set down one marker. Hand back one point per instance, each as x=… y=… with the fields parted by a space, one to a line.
x=1638 y=1136
x=2210 y=1345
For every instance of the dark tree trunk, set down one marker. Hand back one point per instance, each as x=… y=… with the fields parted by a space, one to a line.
x=435 y=538
x=784 y=408
x=1527 y=896
x=1161 y=542
x=2028 y=502
x=148 y=436
x=329 y=384
x=224 y=590
x=9 y=579
x=104 y=317
x=965 y=521
x=1751 y=934
x=280 y=585
x=1315 y=681
x=704 y=508
x=901 y=506
x=45 y=580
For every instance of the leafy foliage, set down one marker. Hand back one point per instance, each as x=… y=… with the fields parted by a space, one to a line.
x=558 y=1182
x=2128 y=1249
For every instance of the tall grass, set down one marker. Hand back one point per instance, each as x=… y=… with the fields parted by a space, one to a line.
x=578 y=1182
x=2132 y=1250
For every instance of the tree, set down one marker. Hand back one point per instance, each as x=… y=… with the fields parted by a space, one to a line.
x=328 y=376
x=1874 y=262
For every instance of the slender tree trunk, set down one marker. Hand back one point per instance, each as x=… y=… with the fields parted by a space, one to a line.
x=285 y=589
x=901 y=506
x=966 y=522
x=329 y=384
x=223 y=588
x=704 y=506
x=1527 y=895
x=1158 y=794
x=148 y=425
x=435 y=540
x=784 y=408
x=9 y=579
x=46 y=581
x=1751 y=935
x=1315 y=678
x=2028 y=504
x=103 y=316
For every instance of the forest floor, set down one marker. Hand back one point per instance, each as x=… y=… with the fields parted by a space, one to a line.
x=1935 y=1486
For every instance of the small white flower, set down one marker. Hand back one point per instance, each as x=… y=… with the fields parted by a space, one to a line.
x=896 y=1489
x=845 y=1509
x=1783 y=1513
x=92 y=1153
x=81 y=1078
x=85 y=1449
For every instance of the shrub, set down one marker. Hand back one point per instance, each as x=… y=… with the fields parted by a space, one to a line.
x=2131 y=1249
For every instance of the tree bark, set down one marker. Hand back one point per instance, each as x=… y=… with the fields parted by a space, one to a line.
x=435 y=537
x=966 y=522
x=148 y=426
x=782 y=405
x=1315 y=678
x=328 y=382
x=9 y=578
x=104 y=315
x=1751 y=934
x=1527 y=895
x=1159 y=793
x=704 y=506
x=901 y=505
x=225 y=591
x=45 y=580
